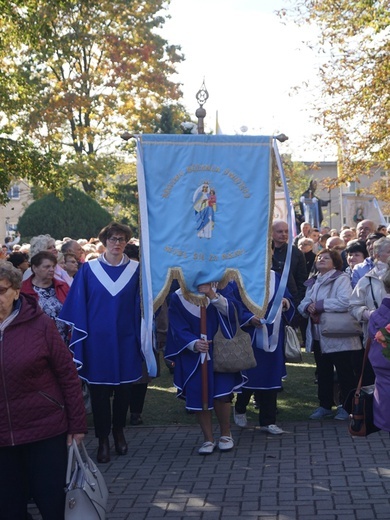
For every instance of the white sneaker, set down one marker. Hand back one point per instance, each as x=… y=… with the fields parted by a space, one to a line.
x=207 y=448
x=226 y=443
x=240 y=419
x=272 y=428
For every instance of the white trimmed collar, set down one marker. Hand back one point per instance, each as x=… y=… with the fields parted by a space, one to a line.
x=113 y=287
x=124 y=260
x=190 y=307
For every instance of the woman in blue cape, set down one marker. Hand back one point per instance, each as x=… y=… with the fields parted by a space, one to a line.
x=185 y=347
x=103 y=308
x=265 y=380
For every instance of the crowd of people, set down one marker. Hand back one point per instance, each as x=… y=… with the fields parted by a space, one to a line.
x=78 y=302
x=332 y=274
x=344 y=275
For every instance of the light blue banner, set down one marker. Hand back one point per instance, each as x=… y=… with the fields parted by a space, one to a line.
x=206 y=205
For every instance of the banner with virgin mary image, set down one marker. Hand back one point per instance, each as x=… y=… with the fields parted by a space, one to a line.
x=206 y=207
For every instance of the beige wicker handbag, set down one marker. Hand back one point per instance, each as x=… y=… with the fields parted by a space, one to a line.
x=235 y=353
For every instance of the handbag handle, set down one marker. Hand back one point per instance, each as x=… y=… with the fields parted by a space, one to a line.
x=231 y=336
x=70 y=464
x=74 y=452
x=366 y=350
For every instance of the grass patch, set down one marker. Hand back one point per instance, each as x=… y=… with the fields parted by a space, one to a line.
x=295 y=403
x=299 y=396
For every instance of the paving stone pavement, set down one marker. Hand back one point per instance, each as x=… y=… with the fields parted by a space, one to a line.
x=313 y=471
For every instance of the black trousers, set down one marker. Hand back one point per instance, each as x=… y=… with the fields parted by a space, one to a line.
x=343 y=362
x=36 y=470
x=369 y=374
x=266 y=400
x=101 y=407
x=137 y=397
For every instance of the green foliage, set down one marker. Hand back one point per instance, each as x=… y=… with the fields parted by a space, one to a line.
x=20 y=159
x=296 y=176
x=380 y=190
x=354 y=105
x=75 y=215
x=170 y=119
x=75 y=74
x=121 y=195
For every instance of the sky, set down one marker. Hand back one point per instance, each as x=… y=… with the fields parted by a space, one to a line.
x=250 y=62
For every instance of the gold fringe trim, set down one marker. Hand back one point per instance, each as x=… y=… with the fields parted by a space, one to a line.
x=176 y=273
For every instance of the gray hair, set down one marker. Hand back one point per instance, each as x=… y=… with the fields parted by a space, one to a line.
x=305 y=240
x=386 y=277
x=10 y=273
x=40 y=243
x=379 y=245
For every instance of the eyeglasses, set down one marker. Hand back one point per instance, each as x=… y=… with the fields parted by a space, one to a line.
x=3 y=290
x=114 y=240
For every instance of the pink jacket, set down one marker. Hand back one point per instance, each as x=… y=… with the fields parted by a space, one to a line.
x=40 y=391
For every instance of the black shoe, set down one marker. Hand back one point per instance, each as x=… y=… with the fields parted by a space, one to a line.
x=103 y=454
x=119 y=441
x=170 y=365
x=136 y=419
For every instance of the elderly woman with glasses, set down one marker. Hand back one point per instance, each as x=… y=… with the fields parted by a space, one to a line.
x=103 y=307
x=41 y=404
x=71 y=264
x=306 y=246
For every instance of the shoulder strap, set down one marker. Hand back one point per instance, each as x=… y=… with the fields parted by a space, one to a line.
x=366 y=350
x=230 y=336
x=372 y=292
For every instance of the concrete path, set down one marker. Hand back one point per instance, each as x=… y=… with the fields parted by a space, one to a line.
x=313 y=471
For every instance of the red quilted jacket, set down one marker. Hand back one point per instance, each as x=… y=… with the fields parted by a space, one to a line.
x=40 y=392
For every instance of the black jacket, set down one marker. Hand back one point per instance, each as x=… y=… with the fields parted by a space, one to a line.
x=297 y=274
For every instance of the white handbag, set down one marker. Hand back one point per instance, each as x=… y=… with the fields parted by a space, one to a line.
x=292 y=347
x=86 y=490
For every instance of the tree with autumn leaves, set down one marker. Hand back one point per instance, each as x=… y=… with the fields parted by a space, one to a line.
x=354 y=103
x=75 y=75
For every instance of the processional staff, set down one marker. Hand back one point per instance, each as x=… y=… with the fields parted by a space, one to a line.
x=202 y=96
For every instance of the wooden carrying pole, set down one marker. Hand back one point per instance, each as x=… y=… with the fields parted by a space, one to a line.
x=202 y=96
x=203 y=360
